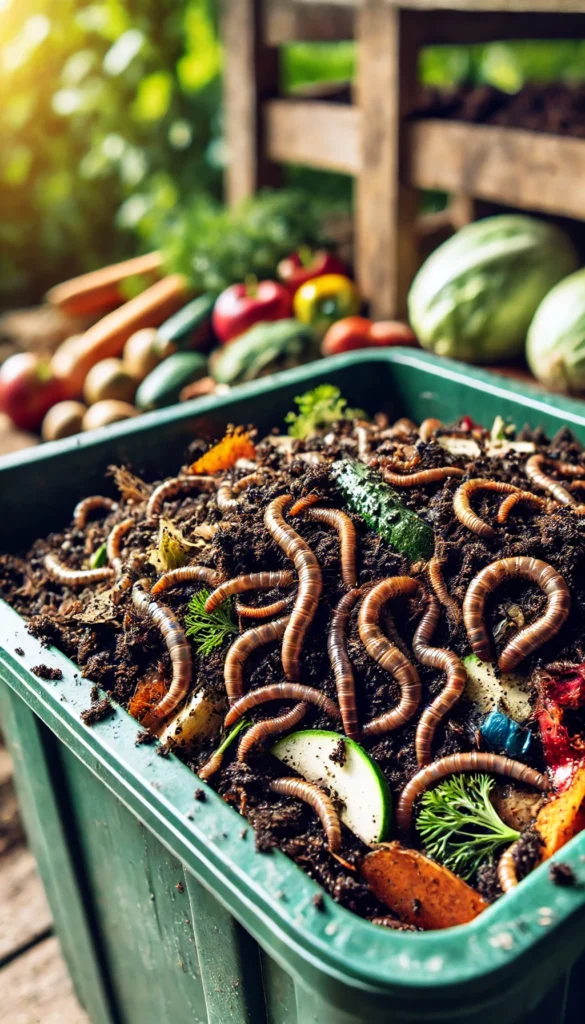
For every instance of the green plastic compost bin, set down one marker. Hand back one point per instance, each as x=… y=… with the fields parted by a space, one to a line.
x=165 y=910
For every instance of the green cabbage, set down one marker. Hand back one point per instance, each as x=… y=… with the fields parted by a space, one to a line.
x=555 y=347
x=474 y=298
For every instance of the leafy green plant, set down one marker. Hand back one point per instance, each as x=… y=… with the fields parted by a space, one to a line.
x=459 y=825
x=318 y=409
x=216 y=246
x=209 y=629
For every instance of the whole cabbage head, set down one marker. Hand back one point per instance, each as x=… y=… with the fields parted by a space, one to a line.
x=555 y=346
x=474 y=297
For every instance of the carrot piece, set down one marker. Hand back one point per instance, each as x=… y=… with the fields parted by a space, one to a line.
x=149 y=309
x=419 y=890
x=563 y=816
x=100 y=289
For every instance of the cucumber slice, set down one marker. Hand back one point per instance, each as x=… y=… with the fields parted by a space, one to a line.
x=357 y=785
x=507 y=692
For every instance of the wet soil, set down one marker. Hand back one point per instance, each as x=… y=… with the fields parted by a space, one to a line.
x=116 y=648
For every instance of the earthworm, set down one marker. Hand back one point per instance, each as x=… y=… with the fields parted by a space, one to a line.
x=242 y=647
x=340 y=663
x=250 y=581
x=426 y=476
x=534 y=469
x=471 y=761
x=226 y=491
x=280 y=691
x=507 y=876
x=265 y=611
x=75 y=577
x=173 y=488
x=187 y=574
x=448 y=662
x=316 y=798
x=464 y=511
x=177 y=646
x=514 y=499
x=347 y=539
x=429 y=427
x=387 y=654
x=531 y=637
x=303 y=503
x=211 y=766
x=260 y=732
x=399 y=465
x=114 y=543
x=439 y=586
x=363 y=442
x=310 y=583
x=88 y=505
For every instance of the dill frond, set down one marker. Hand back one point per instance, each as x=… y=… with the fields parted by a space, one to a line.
x=460 y=826
x=209 y=630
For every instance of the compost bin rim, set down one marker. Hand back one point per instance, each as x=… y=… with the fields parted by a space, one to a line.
x=385 y=961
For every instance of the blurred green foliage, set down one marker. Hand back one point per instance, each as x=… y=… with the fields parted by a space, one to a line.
x=111 y=119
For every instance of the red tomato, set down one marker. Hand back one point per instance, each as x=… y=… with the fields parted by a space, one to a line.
x=243 y=305
x=28 y=389
x=350 y=333
x=392 y=332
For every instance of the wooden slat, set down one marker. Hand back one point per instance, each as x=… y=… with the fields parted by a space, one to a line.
x=296 y=20
x=530 y=170
x=386 y=205
x=522 y=6
x=250 y=78
x=315 y=134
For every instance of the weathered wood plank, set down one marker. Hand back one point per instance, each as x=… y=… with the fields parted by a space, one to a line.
x=36 y=987
x=314 y=133
x=24 y=911
x=530 y=170
x=521 y=6
x=250 y=78
x=386 y=204
x=290 y=20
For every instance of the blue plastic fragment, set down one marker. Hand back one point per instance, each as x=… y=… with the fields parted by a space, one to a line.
x=502 y=734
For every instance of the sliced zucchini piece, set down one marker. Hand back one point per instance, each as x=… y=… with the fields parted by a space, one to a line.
x=354 y=780
x=507 y=692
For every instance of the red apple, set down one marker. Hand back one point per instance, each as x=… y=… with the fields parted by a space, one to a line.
x=243 y=305
x=28 y=389
x=306 y=264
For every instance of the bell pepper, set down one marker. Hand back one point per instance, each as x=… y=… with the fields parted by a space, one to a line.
x=323 y=300
x=306 y=264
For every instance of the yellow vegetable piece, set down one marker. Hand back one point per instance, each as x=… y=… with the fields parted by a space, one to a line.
x=563 y=816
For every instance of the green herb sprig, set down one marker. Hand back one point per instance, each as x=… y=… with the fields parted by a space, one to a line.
x=318 y=409
x=209 y=629
x=459 y=825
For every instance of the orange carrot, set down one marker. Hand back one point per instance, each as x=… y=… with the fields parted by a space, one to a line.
x=149 y=309
x=100 y=289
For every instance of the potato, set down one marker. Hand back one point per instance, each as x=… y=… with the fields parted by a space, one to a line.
x=109 y=411
x=109 y=379
x=140 y=355
x=419 y=890
x=67 y=366
x=63 y=420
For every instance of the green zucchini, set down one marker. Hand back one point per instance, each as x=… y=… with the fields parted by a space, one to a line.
x=381 y=507
x=265 y=348
x=189 y=328
x=164 y=384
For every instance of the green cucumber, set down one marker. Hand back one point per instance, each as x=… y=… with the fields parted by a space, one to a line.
x=383 y=510
x=264 y=348
x=164 y=384
x=506 y=691
x=354 y=779
x=188 y=328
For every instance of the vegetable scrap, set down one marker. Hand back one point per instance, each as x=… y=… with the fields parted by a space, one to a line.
x=341 y=632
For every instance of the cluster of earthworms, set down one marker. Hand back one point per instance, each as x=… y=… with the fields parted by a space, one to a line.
x=288 y=619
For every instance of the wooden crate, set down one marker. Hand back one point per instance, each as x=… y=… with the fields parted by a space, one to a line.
x=372 y=139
